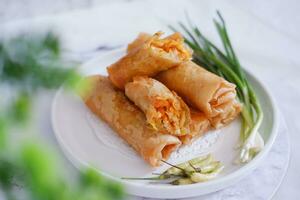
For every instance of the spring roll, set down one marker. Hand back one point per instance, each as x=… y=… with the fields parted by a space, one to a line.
x=165 y=111
x=203 y=90
x=112 y=106
x=198 y=127
x=151 y=57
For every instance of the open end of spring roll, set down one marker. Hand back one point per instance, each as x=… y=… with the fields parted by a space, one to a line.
x=165 y=111
x=112 y=106
x=153 y=55
x=172 y=46
x=199 y=126
x=227 y=116
x=160 y=148
x=203 y=90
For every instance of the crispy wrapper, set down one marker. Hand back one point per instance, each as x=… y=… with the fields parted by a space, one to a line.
x=165 y=111
x=198 y=127
x=141 y=39
x=203 y=90
x=112 y=106
x=151 y=57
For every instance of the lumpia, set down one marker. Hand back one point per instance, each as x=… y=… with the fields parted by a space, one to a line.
x=203 y=90
x=165 y=111
x=112 y=106
x=151 y=57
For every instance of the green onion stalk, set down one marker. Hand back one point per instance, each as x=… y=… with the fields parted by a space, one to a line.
x=199 y=169
x=226 y=64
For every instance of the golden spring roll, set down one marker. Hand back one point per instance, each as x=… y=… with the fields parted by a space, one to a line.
x=203 y=90
x=153 y=56
x=198 y=127
x=165 y=111
x=112 y=106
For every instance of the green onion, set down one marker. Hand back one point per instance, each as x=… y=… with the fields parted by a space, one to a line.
x=200 y=169
x=226 y=64
x=182 y=181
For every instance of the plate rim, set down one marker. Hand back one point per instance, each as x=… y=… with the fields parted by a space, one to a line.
x=208 y=187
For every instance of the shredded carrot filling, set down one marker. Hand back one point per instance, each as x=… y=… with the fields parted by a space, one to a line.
x=168 y=115
x=172 y=45
x=161 y=103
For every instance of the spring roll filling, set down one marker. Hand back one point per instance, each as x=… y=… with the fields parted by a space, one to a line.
x=167 y=114
x=173 y=46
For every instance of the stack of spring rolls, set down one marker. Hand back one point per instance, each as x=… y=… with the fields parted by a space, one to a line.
x=157 y=99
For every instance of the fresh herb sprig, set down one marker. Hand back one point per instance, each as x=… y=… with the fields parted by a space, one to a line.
x=226 y=64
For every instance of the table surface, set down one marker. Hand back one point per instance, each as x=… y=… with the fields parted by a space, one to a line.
x=271 y=28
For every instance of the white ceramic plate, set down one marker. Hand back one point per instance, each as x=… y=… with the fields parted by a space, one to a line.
x=87 y=141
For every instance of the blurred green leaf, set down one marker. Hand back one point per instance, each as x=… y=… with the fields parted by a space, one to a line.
x=20 y=109
x=41 y=174
x=53 y=43
x=7 y=171
x=92 y=182
x=33 y=62
x=3 y=130
x=30 y=63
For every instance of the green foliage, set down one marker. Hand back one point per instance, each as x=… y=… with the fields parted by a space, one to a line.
x=90 y=180
x=33 y=62
x=3 y=130
x=41 y=175
x=29 y=64
x=7 y=171
x=20 y=108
